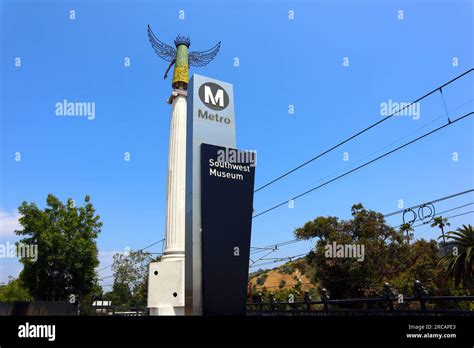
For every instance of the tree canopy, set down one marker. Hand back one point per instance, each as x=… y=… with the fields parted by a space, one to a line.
x=67 y=251
x=387 y=255
x=14 y=291
x=130 y=278
x=459 y=261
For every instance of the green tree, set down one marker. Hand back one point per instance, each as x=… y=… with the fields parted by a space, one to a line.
x=14 y=291
x=67 y=251
x=87 y=300
x=387 y=257
x=282 y=284
x=283 y=295
x=261 y=279
x=297 y=286
x=131 y=271
x=420 y=263
x=458 y=261
x=441 y=222
x=120 y=295
x=408 y=230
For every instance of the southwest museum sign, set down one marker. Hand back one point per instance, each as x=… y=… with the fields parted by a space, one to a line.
x=219 y=203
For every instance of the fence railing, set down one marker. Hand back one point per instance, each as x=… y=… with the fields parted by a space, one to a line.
x=383 y=305
x=119 y=311
x=38 y=308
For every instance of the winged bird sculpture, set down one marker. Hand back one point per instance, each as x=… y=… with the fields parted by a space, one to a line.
x=180 y=57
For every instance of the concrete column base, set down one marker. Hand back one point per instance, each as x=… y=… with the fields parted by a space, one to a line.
x=166 y=287
x=167 y=311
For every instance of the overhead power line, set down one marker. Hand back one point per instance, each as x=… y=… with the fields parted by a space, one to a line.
x=275 y=246
x=284 y=258
x=432 y=202
x=274 y=260
x=106 y=277
x=365 y=164
x=147 y=247
x=278 y=259
x=439 y=88
x=455 y=208
x=438 y=214
x=447 y=217
x=399 y=140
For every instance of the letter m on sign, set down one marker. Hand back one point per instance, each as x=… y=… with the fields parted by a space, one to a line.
x=214 y=99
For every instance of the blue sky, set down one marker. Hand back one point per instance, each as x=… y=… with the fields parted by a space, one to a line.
x=283 y=62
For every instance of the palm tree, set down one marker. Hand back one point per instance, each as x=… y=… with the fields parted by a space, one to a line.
x=459 y=259
x=406 y=228
x=441 y=222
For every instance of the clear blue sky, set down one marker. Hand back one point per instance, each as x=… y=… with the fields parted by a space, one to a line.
x=282 y=62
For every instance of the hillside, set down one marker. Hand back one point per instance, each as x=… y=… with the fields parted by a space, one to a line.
x=289 y=275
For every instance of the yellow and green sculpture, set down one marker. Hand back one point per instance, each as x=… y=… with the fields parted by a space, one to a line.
x=180 y=57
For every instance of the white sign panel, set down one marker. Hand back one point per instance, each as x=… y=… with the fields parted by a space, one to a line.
x=210 y=120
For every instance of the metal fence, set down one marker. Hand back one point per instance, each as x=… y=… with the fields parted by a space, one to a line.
x=384 y=305
x=119 y=311
x=38 y=308
x=390 y=303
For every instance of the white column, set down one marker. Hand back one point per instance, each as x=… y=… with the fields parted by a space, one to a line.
x=176 y=192
x=166 y=278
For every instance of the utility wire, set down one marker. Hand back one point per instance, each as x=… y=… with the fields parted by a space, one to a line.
x=362 y=131
x=447 y=217
x=283 y=258
x=148 y=246
x=444 y=103
x=271 y=251
x=361 y=160
x=274 y=246
x=450 y=217
x=278 y=259
x=461 y=206
x=438 y=214
x=106 y=277
x=296 y=240
x=434 y=201
x=365 y=164
x=272 y=261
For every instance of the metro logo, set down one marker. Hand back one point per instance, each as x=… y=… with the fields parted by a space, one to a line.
x=213 y=96
x=209 y=97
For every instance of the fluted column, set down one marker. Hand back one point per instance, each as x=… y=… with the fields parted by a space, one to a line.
x=176 y=191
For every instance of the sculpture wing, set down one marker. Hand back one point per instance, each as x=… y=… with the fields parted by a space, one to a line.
x=163 y=50
x=203 y=58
